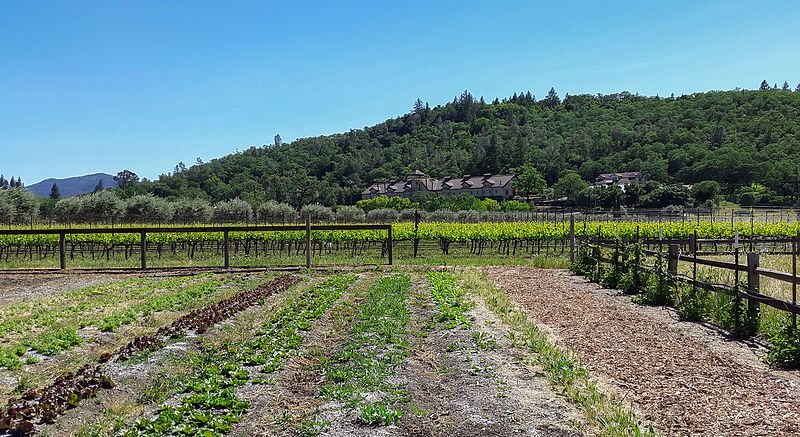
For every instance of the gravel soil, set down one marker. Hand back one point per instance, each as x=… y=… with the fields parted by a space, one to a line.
x=687 y=378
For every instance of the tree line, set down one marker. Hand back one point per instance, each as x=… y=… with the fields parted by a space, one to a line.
x=747 y=141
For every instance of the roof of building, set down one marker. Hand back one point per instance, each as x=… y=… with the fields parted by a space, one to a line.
x=465 y=182
x=621 y=175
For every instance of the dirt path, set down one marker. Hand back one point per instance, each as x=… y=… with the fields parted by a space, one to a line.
x=470 y=382
x=685 y=378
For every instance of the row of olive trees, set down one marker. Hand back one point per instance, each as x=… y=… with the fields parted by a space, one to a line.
x=18 y=205
x=106 y=207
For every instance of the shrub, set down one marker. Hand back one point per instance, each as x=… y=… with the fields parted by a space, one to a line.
x=693 y=303
x=659 y=287
x=274 y=212
x=349 y=214
x=147 y=209
x=737 y=316
x=384 y=201
x=383 y=215
x=442 y=215
x=409 y=214
x=468 y=216
x=785 y=350
x=233 y=211
x=515 y=206
x=192 y=211
x=317 y=213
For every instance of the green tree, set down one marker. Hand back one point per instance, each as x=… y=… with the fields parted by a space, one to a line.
x=667 y=195
x=569 y=185
x=705 y=190
x=99 y=187
x=529 y=180
x=55 y=194
x=764 y=85
x=126 y=179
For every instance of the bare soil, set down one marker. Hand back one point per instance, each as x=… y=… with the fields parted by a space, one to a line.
x=18 y=287
x=686 y=378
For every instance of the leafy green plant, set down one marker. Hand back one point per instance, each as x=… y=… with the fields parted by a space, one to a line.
x=785 y=350
x=660 y=287
x=377 y=344
x=737 y=316
x=378 y=414
x=693 y=303
x=450 y=300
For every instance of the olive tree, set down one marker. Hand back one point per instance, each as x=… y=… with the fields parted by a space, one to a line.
x=192 y=211
x=274 y=212
x=102 y=206
x=349 y=214
x=317 y=213
x=68 y=209
x=233 y=211
x=148 y=209
x=383 y=215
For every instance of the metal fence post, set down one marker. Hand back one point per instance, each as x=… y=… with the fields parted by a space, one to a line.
x=62 y=250
x=308 y=241
x=571 y=238
x=143 y=249
x=390 y=243
x=226 y=249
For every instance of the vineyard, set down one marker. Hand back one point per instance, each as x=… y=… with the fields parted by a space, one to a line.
x=438 y=241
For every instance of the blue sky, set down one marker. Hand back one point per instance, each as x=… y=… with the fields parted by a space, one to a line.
x=100 y=86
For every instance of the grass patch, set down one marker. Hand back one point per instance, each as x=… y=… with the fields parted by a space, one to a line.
x=561 y=367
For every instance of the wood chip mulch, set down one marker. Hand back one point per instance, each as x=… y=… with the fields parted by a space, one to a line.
x=684 y=378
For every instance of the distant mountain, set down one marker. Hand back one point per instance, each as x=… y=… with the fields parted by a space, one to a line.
x=73 y=186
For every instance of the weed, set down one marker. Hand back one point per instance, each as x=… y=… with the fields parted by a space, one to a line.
x=378 y=414
x=785 y=351
x=693 y=303
x=313 y=427
x=484 y=341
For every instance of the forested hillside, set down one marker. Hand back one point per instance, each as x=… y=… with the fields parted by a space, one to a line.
x=736 y=138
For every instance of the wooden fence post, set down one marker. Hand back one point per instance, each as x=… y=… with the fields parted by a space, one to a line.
x=308 y=241
x=571 y=238
x=62 y=250
x=390 y=243
x=226 y=249
x=794 y=278
x=143 y=249
x=672 y=263
x=752 y=277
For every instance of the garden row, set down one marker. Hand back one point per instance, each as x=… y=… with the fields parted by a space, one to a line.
x=44 y=405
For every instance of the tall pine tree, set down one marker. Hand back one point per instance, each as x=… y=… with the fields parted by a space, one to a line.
x=55 y=194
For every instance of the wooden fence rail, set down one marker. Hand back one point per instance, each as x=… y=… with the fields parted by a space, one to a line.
x=752 y=269
x=144 y=231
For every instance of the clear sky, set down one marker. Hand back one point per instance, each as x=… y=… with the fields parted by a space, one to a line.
x=100 y=86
